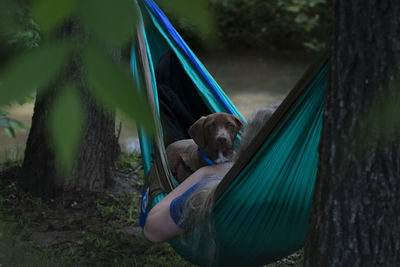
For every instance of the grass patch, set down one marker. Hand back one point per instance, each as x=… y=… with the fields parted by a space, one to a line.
x=16 y=249
x=12 y=156
x=78 y=229
x=294 y=260
x=129 y=161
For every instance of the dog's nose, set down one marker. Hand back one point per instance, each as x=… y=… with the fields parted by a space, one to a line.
x=221 y=140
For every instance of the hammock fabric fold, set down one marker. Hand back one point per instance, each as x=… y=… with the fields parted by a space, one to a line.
x=264 y=202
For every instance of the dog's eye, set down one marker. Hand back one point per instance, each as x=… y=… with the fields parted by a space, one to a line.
x=230 y=126
x=211 y=127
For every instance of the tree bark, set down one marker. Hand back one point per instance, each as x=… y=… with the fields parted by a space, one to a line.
x=355 y=219
x=99 y=149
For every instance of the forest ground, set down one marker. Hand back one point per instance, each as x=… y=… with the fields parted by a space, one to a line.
x=81 y=229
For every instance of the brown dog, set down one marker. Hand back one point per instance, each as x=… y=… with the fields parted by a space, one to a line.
x=212 y=143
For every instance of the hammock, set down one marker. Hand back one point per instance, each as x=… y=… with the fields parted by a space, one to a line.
x=264 y=202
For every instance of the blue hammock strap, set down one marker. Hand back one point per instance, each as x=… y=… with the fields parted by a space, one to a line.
x=207 y=159
x=144 y=209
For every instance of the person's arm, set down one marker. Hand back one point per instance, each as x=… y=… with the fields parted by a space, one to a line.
x=159 y=226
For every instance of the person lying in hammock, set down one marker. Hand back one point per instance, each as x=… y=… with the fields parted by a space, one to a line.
x=192 y=201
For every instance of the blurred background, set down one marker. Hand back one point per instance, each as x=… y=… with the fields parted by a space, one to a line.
x=256 y=50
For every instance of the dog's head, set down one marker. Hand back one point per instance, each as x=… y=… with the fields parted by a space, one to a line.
x=215 y=134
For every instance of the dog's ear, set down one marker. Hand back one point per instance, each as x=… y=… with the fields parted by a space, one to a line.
x=196 y=131
x=239 y=122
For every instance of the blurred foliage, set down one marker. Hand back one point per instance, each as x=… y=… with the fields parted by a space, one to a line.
x=18 y=31
x=32 y=69
x=69 y=110
x=15 y=250
x=379 y=123
x=10 y=126
x=275 y=23
x=35 y=50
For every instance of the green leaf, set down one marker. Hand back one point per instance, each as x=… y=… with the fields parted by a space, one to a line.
x=32 y=70
x=50 y=14
x=66 y=123
x=196 y=11
x=115 y=87
x=301 y=18
x=110 y=21
x=316 y=2
x=10 y=132
x=16 y=125
x=293 y=9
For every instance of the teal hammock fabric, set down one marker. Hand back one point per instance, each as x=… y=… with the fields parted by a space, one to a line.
x=263 y=214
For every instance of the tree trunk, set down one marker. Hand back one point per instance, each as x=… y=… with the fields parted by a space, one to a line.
x=99 y=149
x=356 y=207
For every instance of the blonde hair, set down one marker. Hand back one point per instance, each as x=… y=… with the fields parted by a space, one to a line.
x=255 y=123
x=198 y=210
x=198 y=205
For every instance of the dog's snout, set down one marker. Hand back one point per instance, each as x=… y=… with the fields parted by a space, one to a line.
x=222 y=140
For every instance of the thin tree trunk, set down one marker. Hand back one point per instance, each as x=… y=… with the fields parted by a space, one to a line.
x=99 y=149
x=355 y=219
